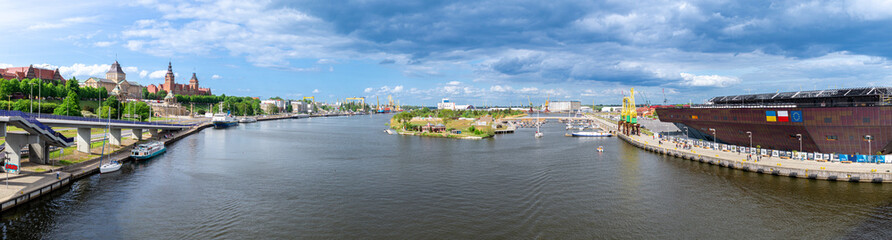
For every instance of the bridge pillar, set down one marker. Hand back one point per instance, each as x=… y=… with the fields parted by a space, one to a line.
x=38 y=152
x=3 y=129
x=83 y=140
x=137 y=133
x=14 y=144
x=114 y=136
x=153 y=133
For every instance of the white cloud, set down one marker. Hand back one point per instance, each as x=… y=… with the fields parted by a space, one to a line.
x=215 y=76
x=158 y=74
x=397 y=89
x=315 y=90
x=453 y=83
x=83 y=70
x=5 y=65
x=104 y=43
x=266 y=36
x=62 y=23
x=143 y=74
x=708 y=80
x=501 y=89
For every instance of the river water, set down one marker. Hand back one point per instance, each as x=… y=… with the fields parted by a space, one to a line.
x=343 y=178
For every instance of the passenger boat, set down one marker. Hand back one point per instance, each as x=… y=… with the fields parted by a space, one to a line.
x=223 y=120
x=148 y=150
x=591 y=134
x=600 y=149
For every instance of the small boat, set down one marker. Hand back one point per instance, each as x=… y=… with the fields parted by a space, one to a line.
x=110 y=167
x=389 y=131
x=539 y=133
x=148 y=150
x=247 y=120
x=224 y=120
x=600 y=149
x=113 y=165
x=591 y=134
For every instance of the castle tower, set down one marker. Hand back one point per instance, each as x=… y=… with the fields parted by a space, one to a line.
x=169 y=78
x=115 y=73
x=193 y=83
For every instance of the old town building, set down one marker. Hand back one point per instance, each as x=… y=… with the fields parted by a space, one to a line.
x=115 y=82
x=183 y=89
x=30 y=72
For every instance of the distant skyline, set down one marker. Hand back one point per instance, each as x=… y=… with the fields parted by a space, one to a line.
x=499 y=52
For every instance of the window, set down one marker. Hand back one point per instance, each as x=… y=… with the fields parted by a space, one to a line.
x=866 y=120
x=831 y=138
x=828 y=120
x=735 y=118
x=693 y=116
x=725 y=118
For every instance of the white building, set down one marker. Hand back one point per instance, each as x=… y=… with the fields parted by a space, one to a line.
x=278 y=103
x=300 y=107
x=446 y=104
x=611 y=109
x=564 y=106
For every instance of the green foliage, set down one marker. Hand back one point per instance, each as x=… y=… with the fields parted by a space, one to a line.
x=137 y=109
x=104 y=111
x=22 y=105
x=115 y=104
x=69 y=107
x=289 y=108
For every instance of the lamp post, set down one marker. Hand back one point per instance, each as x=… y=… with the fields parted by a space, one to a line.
x=800 y=146
x=714 y=146
x=869 y=151
x=31 y=98
x=686 y=132
x=750 y=134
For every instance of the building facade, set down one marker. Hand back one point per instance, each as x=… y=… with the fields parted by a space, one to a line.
x=31 y=72
x=115 y=82
x=171 y=86
x=564 y=106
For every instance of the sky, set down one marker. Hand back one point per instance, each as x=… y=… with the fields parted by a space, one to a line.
x=473 y=52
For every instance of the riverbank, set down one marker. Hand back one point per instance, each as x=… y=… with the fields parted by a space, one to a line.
x=831 y=171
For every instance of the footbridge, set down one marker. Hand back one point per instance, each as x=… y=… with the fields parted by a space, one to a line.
x=38 y=134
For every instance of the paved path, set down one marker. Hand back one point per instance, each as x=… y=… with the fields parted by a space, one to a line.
x=801 y=168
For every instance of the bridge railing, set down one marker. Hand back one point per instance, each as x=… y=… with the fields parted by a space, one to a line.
x=36 y=123
x=100 y=120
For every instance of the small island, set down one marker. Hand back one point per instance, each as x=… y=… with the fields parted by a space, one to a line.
x=462 y=124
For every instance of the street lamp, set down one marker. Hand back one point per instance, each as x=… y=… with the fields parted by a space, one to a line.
x=686 y=132
x=750 y=134
x=868 y=144
x=800 y=145
x=31 y=98
x=714 y=146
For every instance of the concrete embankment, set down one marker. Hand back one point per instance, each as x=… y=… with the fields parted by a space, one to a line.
x=832 y=171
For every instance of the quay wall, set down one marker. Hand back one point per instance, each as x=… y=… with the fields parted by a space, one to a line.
x=780 y=170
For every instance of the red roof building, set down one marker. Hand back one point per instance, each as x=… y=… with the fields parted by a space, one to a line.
x=31 y=72
x=172 y=87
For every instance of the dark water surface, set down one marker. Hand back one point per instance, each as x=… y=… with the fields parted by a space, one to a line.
x=343 y=178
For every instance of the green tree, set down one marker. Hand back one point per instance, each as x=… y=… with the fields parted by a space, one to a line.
x=137 y=109
x=288 y=108
x=70 y=106
x=72 y=85
x=113 y=102
x=104 y=111
x=22 y=105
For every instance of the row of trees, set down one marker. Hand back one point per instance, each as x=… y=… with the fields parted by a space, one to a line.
x=48 y=89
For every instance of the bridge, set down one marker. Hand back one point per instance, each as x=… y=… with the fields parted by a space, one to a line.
x=549 y=118
x=39 y=135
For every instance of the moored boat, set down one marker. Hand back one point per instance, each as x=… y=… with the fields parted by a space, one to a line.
x=223 y=120
x=247 y=120
x=148 y=150
x=591 y=134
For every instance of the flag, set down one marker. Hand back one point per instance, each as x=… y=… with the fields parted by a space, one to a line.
x=795 y=116
x=770 y=116
x=12 y=167
x=783 y=116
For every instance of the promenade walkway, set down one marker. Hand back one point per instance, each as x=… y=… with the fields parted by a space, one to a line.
x=835 y=171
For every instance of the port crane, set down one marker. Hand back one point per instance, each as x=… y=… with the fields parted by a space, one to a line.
x=628 y=122
x=361 y=99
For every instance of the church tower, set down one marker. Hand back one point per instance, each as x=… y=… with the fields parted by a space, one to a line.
x=168 y=78
x=193 y=83
x=115 y=73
